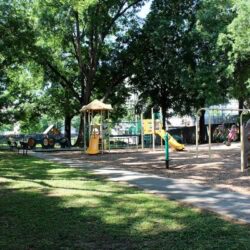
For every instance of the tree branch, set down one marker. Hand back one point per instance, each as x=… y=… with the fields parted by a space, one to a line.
x=111 y=87
x=77 y=45
x=65 y=82
x=119 y=13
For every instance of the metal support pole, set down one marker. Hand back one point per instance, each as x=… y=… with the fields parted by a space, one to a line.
x=153 y=128
x=161 y=123
x=197 y=135
x=92 y=115
x=136 y=131
x=166 y=151
x=101 y=133
x=89 y=126
x=142 y=132
x=84 y=131
x=222 y=109
x=108 y=132
x=242 y=153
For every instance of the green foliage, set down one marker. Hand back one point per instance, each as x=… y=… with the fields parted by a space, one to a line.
x=6 y=127
x=180 y=65
x=77 y=38
x=34 y=126
x=235 y=43
x=80 y=45
x=212 y=18
x=83 y=48
x=239 y=31
x=161 y=73
x=56 y=56
x=22 y=93
x=20 y=77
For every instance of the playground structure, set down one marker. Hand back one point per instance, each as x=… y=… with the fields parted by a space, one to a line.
x=154 y=126
x=104 y=135
x=97 y=131
x=125 y=134
x=244 y=131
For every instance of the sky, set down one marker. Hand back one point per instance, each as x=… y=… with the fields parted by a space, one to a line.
x=145 y=10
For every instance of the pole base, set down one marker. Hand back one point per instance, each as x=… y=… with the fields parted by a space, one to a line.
x=167 y=164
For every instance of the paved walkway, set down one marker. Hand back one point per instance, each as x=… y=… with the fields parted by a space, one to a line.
x=230 y=204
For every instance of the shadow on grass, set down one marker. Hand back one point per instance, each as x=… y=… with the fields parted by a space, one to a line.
x=97 y=214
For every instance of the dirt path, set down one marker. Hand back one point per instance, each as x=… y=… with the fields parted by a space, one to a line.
x=222 y=171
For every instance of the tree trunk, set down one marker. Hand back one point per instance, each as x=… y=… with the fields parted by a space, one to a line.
x=86 y=98
x=164 y=115
x=202 y=136
x=81 y=134
x=67 y=128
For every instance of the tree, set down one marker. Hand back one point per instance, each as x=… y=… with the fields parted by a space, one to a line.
x=77 y=40
x=182 y=67
x=161 y=70
x=235 y=43
x=209 y=80
x=16 y=90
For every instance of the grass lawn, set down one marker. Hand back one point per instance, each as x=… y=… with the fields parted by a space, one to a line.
x=48 y=206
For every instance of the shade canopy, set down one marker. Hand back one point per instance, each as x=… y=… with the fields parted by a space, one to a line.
x=96 y=105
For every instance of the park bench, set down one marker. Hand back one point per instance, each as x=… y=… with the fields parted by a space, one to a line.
x=24 y=146
x=12 y=145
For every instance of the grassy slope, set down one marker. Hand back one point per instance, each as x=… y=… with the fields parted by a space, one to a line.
x=48 y=206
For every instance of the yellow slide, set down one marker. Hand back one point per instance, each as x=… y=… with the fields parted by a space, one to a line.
x=172 y=142
x=93 y=148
